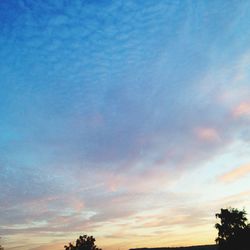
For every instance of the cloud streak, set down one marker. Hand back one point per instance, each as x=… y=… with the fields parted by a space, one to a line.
x=236 y=174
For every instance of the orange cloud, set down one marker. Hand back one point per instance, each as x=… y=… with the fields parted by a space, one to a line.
x=54 y=246
x=207 y=134
x=236 y=173
x=243 y=109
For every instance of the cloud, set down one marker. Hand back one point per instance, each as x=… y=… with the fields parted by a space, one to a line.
x=207 y=134
x=242 y=110
x=49 y=246
x=235 y=174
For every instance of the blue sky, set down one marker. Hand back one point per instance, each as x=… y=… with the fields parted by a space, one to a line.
x=128 y=120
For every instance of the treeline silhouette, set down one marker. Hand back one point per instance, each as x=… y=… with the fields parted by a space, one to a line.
x=205 y=247
x=233 y=234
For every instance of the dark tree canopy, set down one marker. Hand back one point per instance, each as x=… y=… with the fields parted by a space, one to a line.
x=83 y=243
x=233 y=230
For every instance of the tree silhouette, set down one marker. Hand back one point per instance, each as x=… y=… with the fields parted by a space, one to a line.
x=233 y=231
x=83 y=243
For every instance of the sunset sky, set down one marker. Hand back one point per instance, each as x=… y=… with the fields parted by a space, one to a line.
x=125 y=120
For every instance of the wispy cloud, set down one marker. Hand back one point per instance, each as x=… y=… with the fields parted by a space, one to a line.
x=207 y=134
x=236 y=174
x=242 y=110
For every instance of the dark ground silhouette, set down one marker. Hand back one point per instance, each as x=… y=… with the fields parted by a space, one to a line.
x=205 y=247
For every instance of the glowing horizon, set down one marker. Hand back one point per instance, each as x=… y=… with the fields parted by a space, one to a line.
x=125 y=120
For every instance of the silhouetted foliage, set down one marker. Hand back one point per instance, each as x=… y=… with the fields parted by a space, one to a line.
x=233 y=231
x=83 y=243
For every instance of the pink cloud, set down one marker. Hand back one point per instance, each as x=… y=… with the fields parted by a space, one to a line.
x=235 y=174
x=144 y=180
x=207 y=134
x=242 y=110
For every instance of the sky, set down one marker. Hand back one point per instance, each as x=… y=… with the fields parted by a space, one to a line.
x=125 y=120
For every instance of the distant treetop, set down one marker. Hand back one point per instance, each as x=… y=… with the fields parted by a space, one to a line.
x=84 y=242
